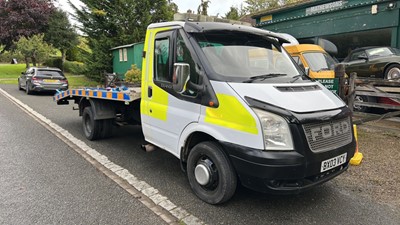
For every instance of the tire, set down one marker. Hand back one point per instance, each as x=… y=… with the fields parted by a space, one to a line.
x=361 y=98
x=91 y=128
x=209 y=158
x=28 y=89
x=392 y=72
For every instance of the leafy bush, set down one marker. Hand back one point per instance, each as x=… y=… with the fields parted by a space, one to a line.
x=7 y=56
x=133 y=75
x=53 y=62
x=74 y=67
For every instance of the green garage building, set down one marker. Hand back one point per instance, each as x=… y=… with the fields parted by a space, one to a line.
x=348 y=24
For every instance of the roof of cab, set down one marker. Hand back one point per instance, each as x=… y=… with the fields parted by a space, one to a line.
x=199 y=27
x=304 y=48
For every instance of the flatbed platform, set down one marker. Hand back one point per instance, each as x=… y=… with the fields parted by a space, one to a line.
x=115 y=94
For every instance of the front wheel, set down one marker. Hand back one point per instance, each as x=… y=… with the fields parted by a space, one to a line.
x=393 y=72
x=210 y=173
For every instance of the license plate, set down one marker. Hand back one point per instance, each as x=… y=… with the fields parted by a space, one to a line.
x=333 y=162
x=50 y=81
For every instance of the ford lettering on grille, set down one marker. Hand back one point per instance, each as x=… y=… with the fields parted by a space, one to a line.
x=328 y=135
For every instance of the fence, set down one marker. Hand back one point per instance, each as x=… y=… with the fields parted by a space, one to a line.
x=365 y=93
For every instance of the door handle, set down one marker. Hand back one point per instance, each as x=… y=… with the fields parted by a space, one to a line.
x=149 y=91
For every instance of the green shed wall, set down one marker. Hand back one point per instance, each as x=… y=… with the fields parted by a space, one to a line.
x=134 y=54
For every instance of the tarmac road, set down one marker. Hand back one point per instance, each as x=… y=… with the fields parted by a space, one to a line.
x=326 y=204
x=43 y=182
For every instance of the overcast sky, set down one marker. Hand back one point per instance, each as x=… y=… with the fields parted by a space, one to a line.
x=215 y=6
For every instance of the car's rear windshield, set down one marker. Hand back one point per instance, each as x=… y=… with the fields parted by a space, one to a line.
x=50 y=73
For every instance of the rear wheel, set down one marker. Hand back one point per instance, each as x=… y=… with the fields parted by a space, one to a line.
x=210 y=173
x=92 y=128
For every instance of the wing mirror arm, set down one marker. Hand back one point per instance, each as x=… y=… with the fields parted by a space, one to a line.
x=307 y=71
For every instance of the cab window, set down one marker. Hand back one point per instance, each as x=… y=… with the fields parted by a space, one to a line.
x=161 y=58
x=355 y=55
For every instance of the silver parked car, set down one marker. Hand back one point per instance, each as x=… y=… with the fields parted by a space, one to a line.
x=42 y=79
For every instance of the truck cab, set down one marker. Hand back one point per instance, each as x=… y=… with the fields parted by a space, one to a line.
x=314 y=57
x=232 y=105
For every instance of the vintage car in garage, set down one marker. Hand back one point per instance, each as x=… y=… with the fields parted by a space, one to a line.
x=374 y=62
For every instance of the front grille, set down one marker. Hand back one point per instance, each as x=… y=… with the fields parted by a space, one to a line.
x=329 y=135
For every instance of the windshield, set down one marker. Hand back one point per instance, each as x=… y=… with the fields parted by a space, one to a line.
x=234 y=55
x=378 y=52
x=318 y=61
x=50 y=73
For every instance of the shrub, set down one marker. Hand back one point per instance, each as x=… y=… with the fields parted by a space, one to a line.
x=133 y=75
x=74 y=67
x=7 y=56
x=53 y=62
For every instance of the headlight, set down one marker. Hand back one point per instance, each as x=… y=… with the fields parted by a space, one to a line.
x=276 y=131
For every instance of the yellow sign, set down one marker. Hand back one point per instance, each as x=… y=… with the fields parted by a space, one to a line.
x=266 y=18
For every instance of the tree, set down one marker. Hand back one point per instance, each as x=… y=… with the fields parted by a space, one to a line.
x=111 y=23
x=258 y=5
x=203 y=7
x=173 y=7
x=60 y=33
x=34 y=48
x=22 y=18
x=235 y=13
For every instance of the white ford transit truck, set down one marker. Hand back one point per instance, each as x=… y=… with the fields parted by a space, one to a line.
x=232 y=105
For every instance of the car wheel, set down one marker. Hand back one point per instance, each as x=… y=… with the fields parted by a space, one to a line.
x=392 y=72
x=362 y=98
x=28 y=89
x=210 y=173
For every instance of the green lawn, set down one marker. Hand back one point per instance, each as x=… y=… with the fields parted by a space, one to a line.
x=9 y=74
x=11 y=70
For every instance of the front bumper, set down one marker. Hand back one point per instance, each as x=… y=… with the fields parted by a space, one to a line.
x=284 y=172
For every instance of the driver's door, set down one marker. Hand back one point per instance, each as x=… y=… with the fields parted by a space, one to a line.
x=164 y=112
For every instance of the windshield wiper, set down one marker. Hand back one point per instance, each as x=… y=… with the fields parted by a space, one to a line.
x=264 y=76
x=294 y=78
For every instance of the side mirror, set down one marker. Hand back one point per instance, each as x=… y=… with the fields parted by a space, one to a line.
x=22 y=73
x=180 y=77
x=307 y=70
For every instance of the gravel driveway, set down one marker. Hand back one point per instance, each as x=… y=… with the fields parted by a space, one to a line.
x=378 y=176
